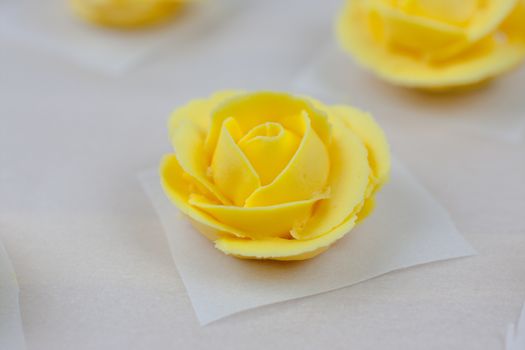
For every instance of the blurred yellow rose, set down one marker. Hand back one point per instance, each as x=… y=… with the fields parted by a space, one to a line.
x=125 y=13
x=272 y=176
x=434 y=44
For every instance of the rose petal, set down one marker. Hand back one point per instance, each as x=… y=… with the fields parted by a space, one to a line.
x=366 y=209
x=366 y=128
x=282 y=249
x=187 y=127
x=489 y=17
x=349 y=180
x=303 y=178
x=269 y=147
x=477 y=18
x=425 y=36
x=179 y=188
x=231 y=171
x=188 y=142
x=260 y=222
x=254 y=109
x=199 y=111
x=514 y=24
x=449 y=11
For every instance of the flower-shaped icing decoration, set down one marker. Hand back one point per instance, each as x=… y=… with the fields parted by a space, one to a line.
x=434 y=44
x=126 y=13
x=272 y=176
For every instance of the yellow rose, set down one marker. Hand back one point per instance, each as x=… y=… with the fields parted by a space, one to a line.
x=125 y=13
x=272 y=176
x=434 y=44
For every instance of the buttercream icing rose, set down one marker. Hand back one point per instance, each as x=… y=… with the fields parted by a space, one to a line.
x=434 y=44
x=125 y=13
x=272 y=176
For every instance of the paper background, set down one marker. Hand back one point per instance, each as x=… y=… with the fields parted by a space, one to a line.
x=50 y=25
x=407 y=228
x=11 y=333
x=497 y=109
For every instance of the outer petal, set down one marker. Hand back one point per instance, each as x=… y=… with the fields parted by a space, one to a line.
x=261 y=222
x=349 y=181
x=187 y=128
x=188 y=142
x=486 y=59
x=199 y=111
x=365 y=127
x=178 y=189
x=514 y=25
x=282 y=249
x=231 y=170
x=489 y=17
x=367 y=209
x=304 y=177
x=254 y=109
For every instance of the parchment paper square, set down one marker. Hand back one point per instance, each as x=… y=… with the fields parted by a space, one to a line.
x=50 y=25
x=407 y=228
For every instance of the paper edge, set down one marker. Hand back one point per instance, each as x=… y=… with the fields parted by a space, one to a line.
x=148 y=191
x=13 y=284
x=515 y=335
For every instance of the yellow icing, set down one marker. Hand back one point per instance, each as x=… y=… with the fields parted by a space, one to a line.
x=230 y=170
x=302 y=178
x=434 y=44
x=269 y=139
x=125 y=13
x=273 y=176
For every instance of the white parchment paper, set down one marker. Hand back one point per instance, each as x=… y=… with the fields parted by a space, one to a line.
x=11 y=333
x=496 y=109
x=515 y=339
x=50 y=25
x=407 y=228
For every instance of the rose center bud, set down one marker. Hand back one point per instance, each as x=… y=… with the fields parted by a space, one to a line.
x=269 y=148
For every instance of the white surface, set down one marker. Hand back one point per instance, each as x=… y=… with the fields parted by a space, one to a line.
x=94 y=267
x=407 y=228
x=11 y=333
x=51 y=25
x=497 y=109
x=516 y=334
